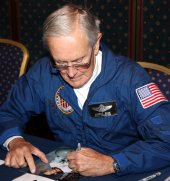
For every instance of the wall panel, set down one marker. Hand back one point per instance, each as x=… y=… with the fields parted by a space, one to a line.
x=4 y=19
x=155 y=38
x=139 y=29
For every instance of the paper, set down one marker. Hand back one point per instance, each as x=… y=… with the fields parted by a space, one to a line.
x=56 y=158
x=1 y=162
x=31 y=177
x=57 y=167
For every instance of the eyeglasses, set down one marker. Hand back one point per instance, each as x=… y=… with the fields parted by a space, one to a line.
x=79 y=65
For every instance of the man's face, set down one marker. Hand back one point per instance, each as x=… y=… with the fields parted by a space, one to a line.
x=74 y=57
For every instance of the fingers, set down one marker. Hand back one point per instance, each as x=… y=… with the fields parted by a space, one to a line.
x=20 y=159
x=21 y=155
x=89 y=162
x=40 y=155
x=15 y=161
x=30 y=161
x=75 y=160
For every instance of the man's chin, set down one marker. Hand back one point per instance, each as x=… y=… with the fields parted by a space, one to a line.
x=76 y=85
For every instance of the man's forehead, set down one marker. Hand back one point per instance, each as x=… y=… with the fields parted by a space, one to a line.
x=69 y=52
x=75 y=38
x=73 y=57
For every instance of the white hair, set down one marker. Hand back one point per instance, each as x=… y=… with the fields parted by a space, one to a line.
x=63 y=22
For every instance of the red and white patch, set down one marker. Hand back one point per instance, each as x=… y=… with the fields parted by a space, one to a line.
x=61 y=103
x=149 y=95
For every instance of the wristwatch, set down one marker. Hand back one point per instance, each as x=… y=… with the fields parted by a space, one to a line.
x=116 y=166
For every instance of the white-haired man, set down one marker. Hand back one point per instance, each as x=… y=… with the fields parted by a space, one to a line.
x=90 y=96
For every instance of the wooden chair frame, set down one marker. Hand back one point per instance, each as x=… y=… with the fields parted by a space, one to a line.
x=155 y=67
x=24 y=50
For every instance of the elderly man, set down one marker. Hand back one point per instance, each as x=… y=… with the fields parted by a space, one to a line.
x=90 y=96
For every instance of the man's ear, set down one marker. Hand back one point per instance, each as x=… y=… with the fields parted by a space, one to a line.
x=96 y=47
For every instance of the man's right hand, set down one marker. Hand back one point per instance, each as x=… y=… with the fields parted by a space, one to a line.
x=20 y=154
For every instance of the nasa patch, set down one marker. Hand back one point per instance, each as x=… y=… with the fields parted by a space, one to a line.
x=61 y=103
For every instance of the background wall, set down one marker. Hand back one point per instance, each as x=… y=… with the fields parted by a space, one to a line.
x=4 y=19
x=156 y=31
x=138 y=29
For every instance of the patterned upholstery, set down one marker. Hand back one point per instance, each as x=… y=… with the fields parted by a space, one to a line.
x=160 y=75
x=13 y=62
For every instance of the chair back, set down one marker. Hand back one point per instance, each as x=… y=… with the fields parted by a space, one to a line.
x=13 y=63
x=160 y=75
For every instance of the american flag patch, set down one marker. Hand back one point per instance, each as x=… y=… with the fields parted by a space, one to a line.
x=149 y=95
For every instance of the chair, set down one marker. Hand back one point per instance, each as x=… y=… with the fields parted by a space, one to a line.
x=13 y=63
x=160 y=75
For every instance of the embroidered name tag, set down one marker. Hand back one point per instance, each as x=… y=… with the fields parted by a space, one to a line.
x=103 y=109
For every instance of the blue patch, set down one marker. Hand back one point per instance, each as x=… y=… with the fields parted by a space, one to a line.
x=156 y=120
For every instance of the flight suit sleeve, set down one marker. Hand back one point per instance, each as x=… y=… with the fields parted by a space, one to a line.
x=24 y=100
x=152 y=120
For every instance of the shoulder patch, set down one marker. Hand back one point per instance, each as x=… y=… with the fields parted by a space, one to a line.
x=149 y=95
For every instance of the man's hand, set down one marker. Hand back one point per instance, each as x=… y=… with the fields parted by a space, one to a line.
x=89 y=162
x=20 y=154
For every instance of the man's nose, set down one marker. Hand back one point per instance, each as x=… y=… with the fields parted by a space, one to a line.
x=71 y=71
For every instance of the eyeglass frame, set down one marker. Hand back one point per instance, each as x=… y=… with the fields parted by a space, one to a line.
x=75 y=66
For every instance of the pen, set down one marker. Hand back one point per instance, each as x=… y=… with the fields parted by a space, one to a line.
x=151 y=176
x=78 y=146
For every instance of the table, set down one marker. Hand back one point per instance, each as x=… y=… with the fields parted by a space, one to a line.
x=7 y=174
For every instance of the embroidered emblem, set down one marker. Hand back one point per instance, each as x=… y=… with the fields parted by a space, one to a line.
x=61 y=103
x=149 y=95
x=103 y=109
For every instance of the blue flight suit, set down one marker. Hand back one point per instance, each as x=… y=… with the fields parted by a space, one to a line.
x=113 y=121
